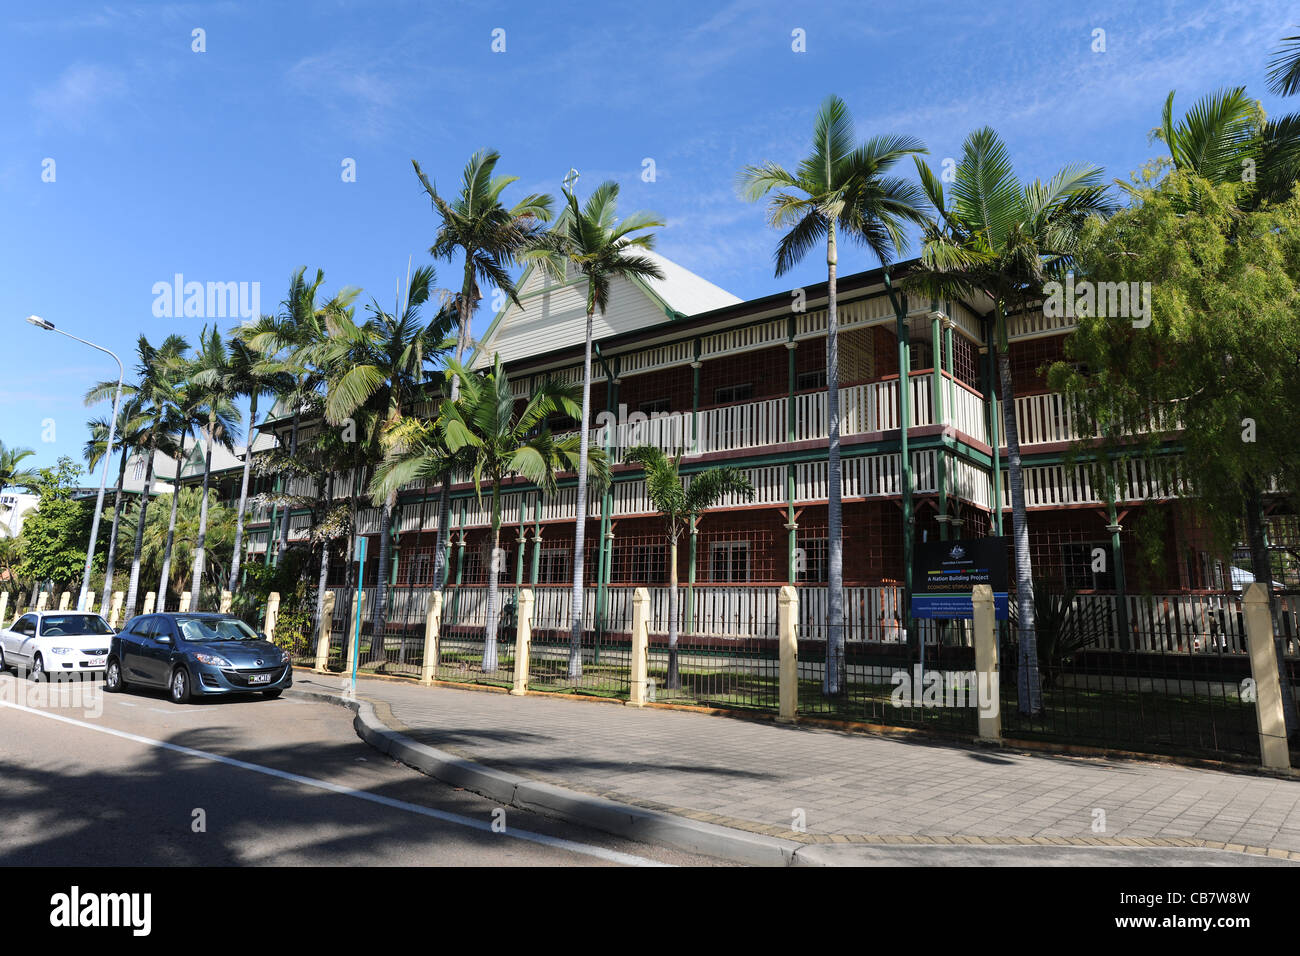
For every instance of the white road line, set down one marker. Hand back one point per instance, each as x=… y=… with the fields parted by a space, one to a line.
x=585 y=849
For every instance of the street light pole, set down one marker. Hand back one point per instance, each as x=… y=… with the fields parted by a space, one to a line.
x=40 y=323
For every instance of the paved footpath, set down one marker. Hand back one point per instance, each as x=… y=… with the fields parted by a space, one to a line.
x=844 y=788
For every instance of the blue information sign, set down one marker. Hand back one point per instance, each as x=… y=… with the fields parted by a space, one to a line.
x=945 y=572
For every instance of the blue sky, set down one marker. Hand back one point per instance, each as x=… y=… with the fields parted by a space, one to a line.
x=225 y=165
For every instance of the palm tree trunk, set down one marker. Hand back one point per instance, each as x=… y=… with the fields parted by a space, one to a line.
x=377 y=620
x=493 y=595
x=171 y=532
x=243 y=497
x=674 y=680
x=324 y=552
x=1257 y=541
x=284 y=518
x=575 y=640
x=196 y=578
x=107 y=596
x=834 y=674
x=1028 y=686
x=443 y=541
x=128 y=611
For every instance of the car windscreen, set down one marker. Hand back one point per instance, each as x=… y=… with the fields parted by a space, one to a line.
x=199 y=629
x=73 y=625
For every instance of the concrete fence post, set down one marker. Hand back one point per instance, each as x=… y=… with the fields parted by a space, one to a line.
x=354 y=636
x=116 y=609
x=185 y=601
x=639 y=678
x=987 y=693
x=226 y=600
x=324 y=628
x=149 y=599
x=1268 y=684
x=523 y=642
x=787 y=626
x=272 y=612
x=432 y=626
x=42 y=600
x=90 y=602
x=65 y=600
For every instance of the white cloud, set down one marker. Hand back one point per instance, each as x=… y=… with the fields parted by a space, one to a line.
x=72 y=98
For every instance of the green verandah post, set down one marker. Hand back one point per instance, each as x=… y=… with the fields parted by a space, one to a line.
x=792 y=529
x=905 y=460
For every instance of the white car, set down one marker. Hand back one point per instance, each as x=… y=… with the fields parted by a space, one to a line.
x=49 y=643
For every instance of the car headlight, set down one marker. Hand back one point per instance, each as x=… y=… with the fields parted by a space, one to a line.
x=212 y=659
x=61 y=650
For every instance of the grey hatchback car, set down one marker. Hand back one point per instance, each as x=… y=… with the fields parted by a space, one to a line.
x=196 y=655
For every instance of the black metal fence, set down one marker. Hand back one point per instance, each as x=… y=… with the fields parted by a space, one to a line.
x=1174 y=690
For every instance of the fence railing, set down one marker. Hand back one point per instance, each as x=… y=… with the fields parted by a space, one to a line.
x=1180 y=681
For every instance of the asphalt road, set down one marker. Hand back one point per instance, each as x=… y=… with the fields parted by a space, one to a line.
x=134 y=780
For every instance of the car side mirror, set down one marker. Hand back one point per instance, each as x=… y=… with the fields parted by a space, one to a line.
x=262 y=636
x=164 y=639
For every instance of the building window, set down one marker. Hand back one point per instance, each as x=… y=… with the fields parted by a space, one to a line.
x=1077 y=562
x=555 y=566
x=807 y=380
x=812 y=561
x=729 y=561
x=658 y=406
x=641 y=563
x=734 y=393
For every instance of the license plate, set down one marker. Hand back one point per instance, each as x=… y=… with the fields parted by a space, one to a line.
x=98 y=661
x=259 y=678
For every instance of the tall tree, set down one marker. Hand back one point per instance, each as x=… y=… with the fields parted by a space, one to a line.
x=840 y=186
x=252 y=374
x=154 y=394
x=994 y=237
x=296 y=336
x=590 y=241
x=1213 y=370
x=212 y=391
x=490 y=238
x=677 y=505
x=128 y=438
x=484 y=434
x=384 y=362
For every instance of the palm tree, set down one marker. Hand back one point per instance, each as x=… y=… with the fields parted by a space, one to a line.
x=153 y=394
x=128 y=438
x=383 y=363
x=839 y=186
x=677 y=506
x=490 y=238
x=183 y=419
x=251 y=375
x=482 y=433
x=1226 y=138
x=590 y=241
x=995 y=237
x=212 y=389
x=296 y=337
x=12 y=472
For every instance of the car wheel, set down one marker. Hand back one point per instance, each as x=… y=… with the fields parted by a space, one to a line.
x=272 y=694
x=113 y=680
x=36 y=673
x=180 y=686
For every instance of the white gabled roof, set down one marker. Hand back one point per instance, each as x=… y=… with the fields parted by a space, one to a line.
x=684 y=291
x=553 y=315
